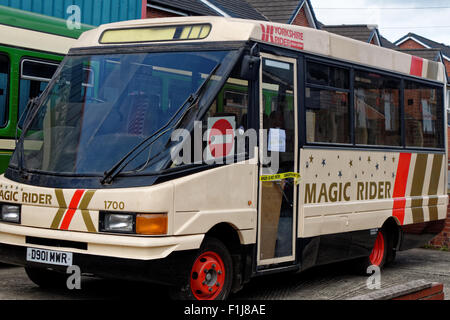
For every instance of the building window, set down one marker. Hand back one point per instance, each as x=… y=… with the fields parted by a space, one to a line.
x=327 y=104
x=423 y=115
x=377 y=109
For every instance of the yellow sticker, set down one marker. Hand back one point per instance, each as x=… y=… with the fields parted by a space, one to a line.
x=280 y=176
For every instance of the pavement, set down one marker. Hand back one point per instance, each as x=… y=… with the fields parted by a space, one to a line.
x=332 y=282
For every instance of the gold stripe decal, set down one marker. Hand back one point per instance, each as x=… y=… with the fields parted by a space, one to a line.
x=85 y=213
x=417 y=187
x=434 y=183
x=62 y=208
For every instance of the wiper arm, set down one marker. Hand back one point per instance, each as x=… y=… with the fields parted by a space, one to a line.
x=110 y=174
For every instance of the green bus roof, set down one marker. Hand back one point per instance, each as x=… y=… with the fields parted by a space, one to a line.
x=38 y=22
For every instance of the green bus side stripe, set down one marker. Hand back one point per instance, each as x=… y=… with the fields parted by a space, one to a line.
x=38 y=22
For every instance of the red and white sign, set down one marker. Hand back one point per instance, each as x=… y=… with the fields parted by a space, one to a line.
x=282 y=36
x=220 y=137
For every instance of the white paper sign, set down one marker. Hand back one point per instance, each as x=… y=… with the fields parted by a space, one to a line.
x=277 y=140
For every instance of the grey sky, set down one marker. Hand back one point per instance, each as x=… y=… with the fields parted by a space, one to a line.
x=393 y=23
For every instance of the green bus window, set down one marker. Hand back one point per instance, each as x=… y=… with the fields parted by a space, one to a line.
x=327 y=104
x=34 y=78
x=377 y=109
x=423 y=116
x=4 y=80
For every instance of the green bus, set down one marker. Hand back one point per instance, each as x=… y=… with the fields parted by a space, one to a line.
x=31 y=48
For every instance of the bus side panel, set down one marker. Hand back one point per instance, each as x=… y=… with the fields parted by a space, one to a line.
x=335 y=247
x=226 y=194
x=350 y=191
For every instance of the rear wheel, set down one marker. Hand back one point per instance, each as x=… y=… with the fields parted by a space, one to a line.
x=211 y=274
x=46 y=279
x=379 y=254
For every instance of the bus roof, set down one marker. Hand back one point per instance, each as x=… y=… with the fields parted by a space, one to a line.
x=219 y=29
x=38 y=22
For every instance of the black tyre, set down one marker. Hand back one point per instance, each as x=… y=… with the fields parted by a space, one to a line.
x=211 y=274
x=47 y=279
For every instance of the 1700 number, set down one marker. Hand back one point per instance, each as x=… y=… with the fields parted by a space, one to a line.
x=114 y=205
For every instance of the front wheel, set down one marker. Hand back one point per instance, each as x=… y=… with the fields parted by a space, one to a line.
x=211 y=274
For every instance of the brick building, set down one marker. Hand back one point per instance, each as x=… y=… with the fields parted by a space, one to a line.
x=225 y=8
x=298 y=12
x=414 y=41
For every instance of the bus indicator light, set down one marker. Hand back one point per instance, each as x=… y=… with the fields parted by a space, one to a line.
x=151 y=224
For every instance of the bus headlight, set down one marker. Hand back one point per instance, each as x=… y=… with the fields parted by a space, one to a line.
x=115 y=222
x=10 y=213
x=138 y=223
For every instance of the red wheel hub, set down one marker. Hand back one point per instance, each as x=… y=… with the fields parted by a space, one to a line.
x=376 y=257
x=207 y=276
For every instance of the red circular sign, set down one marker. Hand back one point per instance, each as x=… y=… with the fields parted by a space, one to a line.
x=221 y=138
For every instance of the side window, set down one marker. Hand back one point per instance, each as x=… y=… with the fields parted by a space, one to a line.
x=4 y=81
x=423 y=115
x=327 y=104
x=34 y=78
x=377 y=109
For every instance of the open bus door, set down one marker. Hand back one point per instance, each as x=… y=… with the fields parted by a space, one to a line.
x=277 y=212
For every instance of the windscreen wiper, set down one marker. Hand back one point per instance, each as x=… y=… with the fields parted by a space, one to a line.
x=110 y=174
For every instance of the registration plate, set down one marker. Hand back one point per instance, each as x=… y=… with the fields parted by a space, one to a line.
x=59 y=258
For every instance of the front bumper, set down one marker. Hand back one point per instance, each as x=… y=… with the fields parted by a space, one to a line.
x=172 y=270
x=164 y=260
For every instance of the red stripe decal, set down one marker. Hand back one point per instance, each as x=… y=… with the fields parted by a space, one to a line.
x=72 y=208
x=416 y=66
x=400 y=186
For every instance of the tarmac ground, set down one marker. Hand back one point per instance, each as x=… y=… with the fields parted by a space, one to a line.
x=331 y=282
